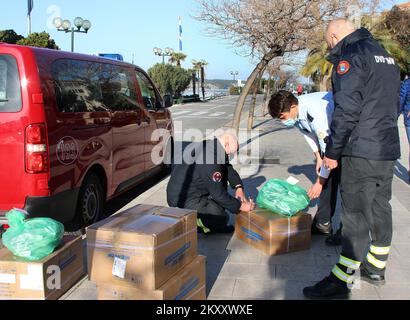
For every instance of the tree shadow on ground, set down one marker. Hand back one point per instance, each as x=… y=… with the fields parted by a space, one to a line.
x=308 y=170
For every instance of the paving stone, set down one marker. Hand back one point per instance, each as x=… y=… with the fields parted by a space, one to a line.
x=398 y=275
x=83 y=294
x=223 y=287
x=270 y=290
x=246 y=255
x=294 y=258
x=248 y=271
x=394 y=292
x=302 y=273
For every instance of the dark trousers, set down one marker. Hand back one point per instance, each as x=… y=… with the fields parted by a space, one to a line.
x=213 y=216
x=366 y=190
x=328 y=198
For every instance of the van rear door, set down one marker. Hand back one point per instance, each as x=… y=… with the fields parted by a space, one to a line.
x=12 y=132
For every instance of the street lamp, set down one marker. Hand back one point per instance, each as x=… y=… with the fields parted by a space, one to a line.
x=234 y=74
x=65 y=26
x=163 y=53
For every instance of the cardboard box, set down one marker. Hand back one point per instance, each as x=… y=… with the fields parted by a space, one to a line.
x=272 y=233
x=188 y=284
x=47 y=279
x=142 y=247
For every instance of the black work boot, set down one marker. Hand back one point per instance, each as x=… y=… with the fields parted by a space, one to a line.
x=322 y=228
x=335 y=239
x=327 y=289
x=372 y=278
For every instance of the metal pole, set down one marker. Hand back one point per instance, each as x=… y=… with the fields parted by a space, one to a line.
x=72 y=39
x=29 y=24
x=163 y=59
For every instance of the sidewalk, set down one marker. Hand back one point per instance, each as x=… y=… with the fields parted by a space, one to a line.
x=236 y=271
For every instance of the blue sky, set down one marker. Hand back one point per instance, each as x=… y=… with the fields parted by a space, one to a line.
x=131 y=27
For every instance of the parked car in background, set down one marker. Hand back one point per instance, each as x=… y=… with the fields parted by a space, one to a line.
x=75 y=131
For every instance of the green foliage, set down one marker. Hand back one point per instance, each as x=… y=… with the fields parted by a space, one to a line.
x=234 y=91
x=10 y=36
x=41 y=40
x=177 y=57
x=170 y=79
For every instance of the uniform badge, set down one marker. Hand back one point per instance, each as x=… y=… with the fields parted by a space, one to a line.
x=217 y=177
x=321 y=135
x=343 y=67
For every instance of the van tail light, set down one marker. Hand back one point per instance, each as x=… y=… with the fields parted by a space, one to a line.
x=36 y=149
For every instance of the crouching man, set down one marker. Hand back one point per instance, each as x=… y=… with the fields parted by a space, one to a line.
x=200 y=183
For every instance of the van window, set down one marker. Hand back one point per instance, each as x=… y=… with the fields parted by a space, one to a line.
x=118 y=89
x=77 y=86
x=148 y=92
x=84 y=86
x=10 y=92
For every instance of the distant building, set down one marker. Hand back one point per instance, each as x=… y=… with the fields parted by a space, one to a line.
x=404 y=6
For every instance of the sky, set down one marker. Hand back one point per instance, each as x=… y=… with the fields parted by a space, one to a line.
x=132 y=27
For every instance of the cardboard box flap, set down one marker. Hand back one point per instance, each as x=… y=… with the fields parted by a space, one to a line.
x=269 y=215
x=143 y=219
x=174 y=212
x=7 y=255
x=117 y=221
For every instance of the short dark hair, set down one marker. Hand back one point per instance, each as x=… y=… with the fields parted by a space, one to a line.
x=281 y=102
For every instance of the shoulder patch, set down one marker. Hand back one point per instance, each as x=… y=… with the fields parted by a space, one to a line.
x=217 y=177
x=343 y=67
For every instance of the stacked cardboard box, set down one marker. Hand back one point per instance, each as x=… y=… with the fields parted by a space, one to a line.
x=46 y=279
x=146 y=253
x=272 y=233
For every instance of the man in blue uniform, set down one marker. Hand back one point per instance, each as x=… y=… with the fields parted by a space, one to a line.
x=365 y=140
x=200 y=183
x=313 y=113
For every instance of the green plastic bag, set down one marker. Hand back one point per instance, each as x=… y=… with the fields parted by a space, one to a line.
x=32 y=239
x=283 y=198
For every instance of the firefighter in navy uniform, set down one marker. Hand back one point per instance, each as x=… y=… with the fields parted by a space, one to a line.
x=365 y=141
x=200 y=182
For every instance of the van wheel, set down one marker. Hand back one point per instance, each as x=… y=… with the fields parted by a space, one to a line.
x=90 y=203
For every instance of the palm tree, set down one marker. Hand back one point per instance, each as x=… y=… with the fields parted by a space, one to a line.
x=393 y=47
x=318 y=67
x=176 y=58
x=198 y=66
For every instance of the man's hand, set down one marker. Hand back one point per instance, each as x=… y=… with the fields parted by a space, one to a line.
x=330 y=164
x=408 y=114
x=240 y=194
x=315 y=191
x=317 y=188
x=248 y=206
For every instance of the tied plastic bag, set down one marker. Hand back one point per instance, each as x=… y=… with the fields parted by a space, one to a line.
x=283 y=198
x=32 y=239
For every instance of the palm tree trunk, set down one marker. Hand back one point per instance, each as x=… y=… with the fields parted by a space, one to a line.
x=323 y=83
x=275 y=52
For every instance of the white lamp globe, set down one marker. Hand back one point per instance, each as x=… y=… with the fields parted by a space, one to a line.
x=66 y=25
x=86 y=25
x=58 y=22
x=78 y=22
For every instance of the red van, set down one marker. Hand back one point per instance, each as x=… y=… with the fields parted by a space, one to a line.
x=75 y=131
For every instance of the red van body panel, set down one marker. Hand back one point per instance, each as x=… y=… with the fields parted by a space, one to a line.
x=116 y=146
x=15 y=183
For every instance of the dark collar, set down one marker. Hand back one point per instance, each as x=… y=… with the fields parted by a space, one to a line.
x=358 y=35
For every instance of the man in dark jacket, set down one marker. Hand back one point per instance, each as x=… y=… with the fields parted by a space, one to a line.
x=200 y=182
x=365 y=140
